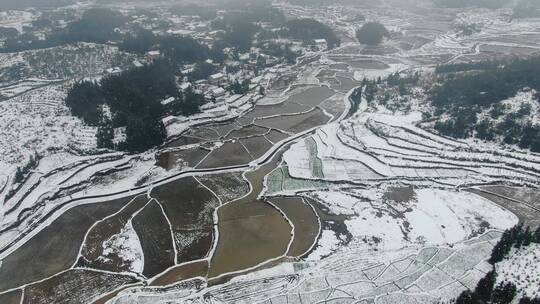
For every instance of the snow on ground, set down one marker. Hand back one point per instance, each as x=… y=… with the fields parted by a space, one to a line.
x=432 y=217
x=374 y=147
x=127 y=246
x=16 y=19
x=426 y=275
x=38 y=121
x=213 y=112
x=326 y=245
x=522 y=268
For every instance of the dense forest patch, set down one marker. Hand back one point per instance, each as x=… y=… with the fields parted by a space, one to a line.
x=310 y=29
x=372 y=33
x=490 y=100
x=133 y=99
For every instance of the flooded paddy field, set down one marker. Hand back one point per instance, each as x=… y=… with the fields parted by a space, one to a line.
x=276 y=136
x=172 y=227
x=93 y=253
x=227 y=186
x=305 y=222
x=247 y=131
x=250 y=230
x=12 y=297
x=296 y=103
x=527 y=195
x=231 y=153
x=346 y=84
x=74 y=286
x=368 y=64
x=188 y=206
x=256 y=146
x=296 y=123
x=155 y=237
x=181 y=272
x=517 y=200
x=55 y=248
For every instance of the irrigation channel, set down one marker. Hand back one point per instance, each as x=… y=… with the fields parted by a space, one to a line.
x=209 y=221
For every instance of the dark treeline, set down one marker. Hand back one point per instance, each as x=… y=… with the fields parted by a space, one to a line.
x=516 y=237
x=310 y=29
x=23 y=171
x=465 y=67
x=488 y=87
x=134 y=99
x=240 y=24
x=96 y=25
x=486 y=291
x=239 y=30
x=356 y=100
x=372 y=33
x=242 y=27
x=463 y=95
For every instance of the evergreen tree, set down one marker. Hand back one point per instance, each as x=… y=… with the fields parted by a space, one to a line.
x=527 y=237
x=527 y=300
x=484 y=288
x=372 y=33
x=143 y=133
x=19 y=175
x=105 y=134
x=466 y=297
x=504 y=293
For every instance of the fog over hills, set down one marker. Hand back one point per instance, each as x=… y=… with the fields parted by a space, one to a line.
x=270 y=151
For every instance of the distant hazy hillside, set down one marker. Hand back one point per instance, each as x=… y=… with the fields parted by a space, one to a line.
x=467 y=3
x=20 y=4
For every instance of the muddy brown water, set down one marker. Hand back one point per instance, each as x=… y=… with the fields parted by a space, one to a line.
x=246 y=131
x=312 y=96
x=296 y=123
x=306 y=224
x=296 y=103
x=285 y=107
x=55 y=248
x=229 y=154
x=12 y=297
x=526 y=215
x=92 y=250
x=276 y=136
x=256 y=146
x=156 y=241
x=368 y=64
x=250 y=230
x=74 y=286
x=528 y=195
x=182 y=272
x=227 y=186
x=189 y=207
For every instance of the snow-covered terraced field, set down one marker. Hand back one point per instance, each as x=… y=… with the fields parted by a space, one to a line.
x=415 y=275
x=392 y=209
x=386 y=147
